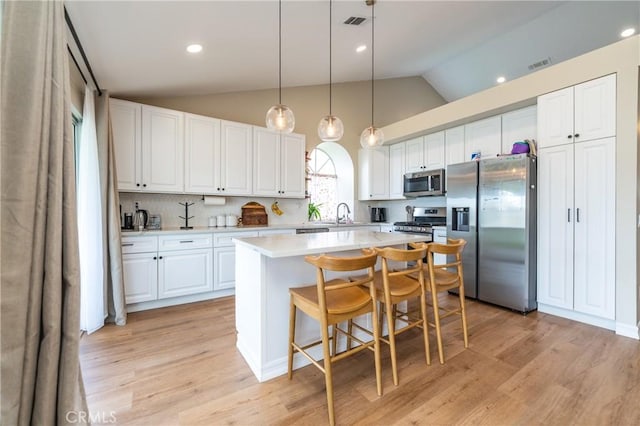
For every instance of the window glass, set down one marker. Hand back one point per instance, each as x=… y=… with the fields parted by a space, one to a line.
x=323 y=185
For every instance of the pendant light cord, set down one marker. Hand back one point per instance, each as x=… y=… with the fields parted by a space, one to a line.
x=280 y=52
x=373 y=5
x=330 y=55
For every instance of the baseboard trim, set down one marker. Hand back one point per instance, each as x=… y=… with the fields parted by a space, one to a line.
x=627 y=330
x=577 y=316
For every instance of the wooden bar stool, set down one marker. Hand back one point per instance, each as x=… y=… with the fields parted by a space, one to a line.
x=332 y=302
x=445 y=277
x=394 y=286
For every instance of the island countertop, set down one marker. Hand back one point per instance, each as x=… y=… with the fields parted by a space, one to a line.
x=277 y=246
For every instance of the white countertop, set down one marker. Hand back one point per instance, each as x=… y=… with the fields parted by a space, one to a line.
x=326 y=242
x=206 y=229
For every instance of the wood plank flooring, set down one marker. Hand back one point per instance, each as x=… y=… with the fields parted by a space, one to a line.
x=179 y=366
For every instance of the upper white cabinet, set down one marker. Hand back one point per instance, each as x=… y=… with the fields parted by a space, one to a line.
x=149 y=146
x=454 y=145
x=484 y=136
x=126 y=122
x=236 y=153
x=202 y=154
x=425 y=152
x=278 y=162
x=162 y=149
x=397 y=170
x=374 y=173
x=583 y=112
x=518 y=125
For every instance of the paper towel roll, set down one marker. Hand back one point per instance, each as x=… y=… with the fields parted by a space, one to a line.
x=214 y=201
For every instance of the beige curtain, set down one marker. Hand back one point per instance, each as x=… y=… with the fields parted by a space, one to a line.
x=112 y=250
x=40 y=306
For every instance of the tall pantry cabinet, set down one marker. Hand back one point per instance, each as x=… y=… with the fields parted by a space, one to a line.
x=576 y=202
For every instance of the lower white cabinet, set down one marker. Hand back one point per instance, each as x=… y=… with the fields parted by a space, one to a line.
x=184 y=272
x=140 y=277
x=225 y=271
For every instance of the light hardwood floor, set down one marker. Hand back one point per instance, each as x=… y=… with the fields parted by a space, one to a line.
x=179 y=365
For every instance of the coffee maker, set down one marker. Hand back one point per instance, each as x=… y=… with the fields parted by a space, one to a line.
x=378 y=214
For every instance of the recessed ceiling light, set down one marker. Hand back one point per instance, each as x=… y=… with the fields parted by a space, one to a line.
x=194 y=48
x=501 y=79
x=361 y=48
x=628 y=32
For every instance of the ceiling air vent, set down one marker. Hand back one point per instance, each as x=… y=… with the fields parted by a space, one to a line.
x=540 y=64
x=355 y=20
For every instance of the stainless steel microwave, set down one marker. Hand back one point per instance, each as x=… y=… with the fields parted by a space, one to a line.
x=420 y=184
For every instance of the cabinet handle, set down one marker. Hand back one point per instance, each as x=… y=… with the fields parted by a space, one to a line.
x=144 y=185
x=127 y=244
x=186 y=241
x=155 y=258
x=223 y=189
x=568 y=215
x=218 y=189
x=137 y=184
x=569 y=136
x=577 y=215
x=577 y=135
x=159 y=257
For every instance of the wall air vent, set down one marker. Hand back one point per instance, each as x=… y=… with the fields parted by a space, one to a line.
x=355 y=20
x=540 y=64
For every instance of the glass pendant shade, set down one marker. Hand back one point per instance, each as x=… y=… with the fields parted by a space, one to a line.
x=371 y=137
x=280 y=118
x=330 y=129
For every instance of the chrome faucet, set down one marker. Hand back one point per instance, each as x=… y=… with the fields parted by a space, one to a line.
x=338 y=212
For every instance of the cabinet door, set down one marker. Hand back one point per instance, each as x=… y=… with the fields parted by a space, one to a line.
x=396 y=171
x=202 y=149
x=555 y=226
x=374 y=173
x=140 y=274
x=127 y=133
x=225 y=270
x=484 y=136
x=434 y=151
x=555 y=118
x=595 y=109
x=454 y=145
x=414 y=154
x=292 y=165
x=162 y=149
x=236 y=158
x=266 y=162
x=595 y=202
x=184 y=272
x=517 y=126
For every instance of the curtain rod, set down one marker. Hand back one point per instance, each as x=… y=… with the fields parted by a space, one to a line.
x=77 y=65
x=84 y=57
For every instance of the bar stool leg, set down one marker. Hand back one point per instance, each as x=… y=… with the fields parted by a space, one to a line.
x=392 y=341
x=292 y=332
x=425 y=327
x=436 y=315
x=327 y=372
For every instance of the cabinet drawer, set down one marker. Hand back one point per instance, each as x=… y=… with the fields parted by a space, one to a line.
x=139 y=244
x=224 y=239
x=184 y=241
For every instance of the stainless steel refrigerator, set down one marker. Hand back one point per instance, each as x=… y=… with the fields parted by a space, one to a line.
x=492 y=204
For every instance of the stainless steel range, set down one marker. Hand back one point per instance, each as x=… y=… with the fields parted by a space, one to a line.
x=423 y=219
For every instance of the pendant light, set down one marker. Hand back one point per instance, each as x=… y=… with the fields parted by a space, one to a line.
x=330 y=128
x=372 y=136
x=280 y=117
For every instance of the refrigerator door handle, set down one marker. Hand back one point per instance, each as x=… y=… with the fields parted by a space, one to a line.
x=578 y=215
x=569 y=215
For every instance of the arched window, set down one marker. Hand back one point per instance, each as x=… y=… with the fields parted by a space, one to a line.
x=330 y=170
x=323 y=184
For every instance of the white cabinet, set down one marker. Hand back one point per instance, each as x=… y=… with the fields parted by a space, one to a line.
x=184 y=272
x=583 y=112
x=454 y=145
x=278 y=162
x=374 y=173
x=425 y=153
x=162 y=149
x=440 y=236
x=126 y=124
x=576 y=228
x=139 y=263
x=396 y=171
x=517 y=126
x=202 y=154
x=224 y=254
x=148 y=145
x=484 y=136
x=235 y=160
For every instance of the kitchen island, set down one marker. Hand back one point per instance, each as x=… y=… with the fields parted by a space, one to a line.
x=266 y=267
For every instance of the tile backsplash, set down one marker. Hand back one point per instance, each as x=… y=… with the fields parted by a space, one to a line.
x=295 y=210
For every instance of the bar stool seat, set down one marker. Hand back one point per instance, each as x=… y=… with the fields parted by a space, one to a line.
x=339 y=301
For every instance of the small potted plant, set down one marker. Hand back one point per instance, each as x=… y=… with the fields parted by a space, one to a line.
x=314 y=211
